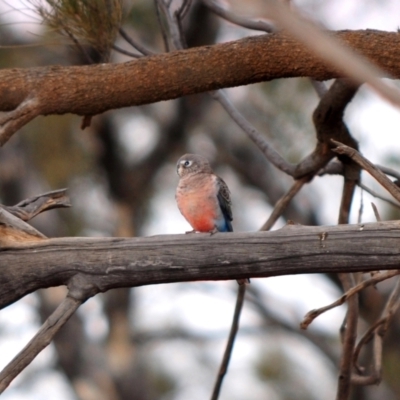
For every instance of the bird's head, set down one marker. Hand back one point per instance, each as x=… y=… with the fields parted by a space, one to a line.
x=191 y=164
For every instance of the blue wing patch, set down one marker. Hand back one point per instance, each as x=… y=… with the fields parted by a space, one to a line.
x=224 y=200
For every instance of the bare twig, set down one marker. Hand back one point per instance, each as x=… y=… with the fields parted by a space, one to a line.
x=158 y=4
x=349 y=340
x=178 y=38
x=348 y=194
x=183 y=9
x=11 y=121
x=389 y=171
x=378 y=196
x=126 y=52
x=14 y=229
x=377 y=331
x=256 y=25
x=336 y=168
x=135 y=44
x=376 y=212
x=364 y=340
x=391 y=307
x=283 y=202
x=231 y=340
x=348 y=281
x=379 y=277
x=79 y=291
x=272 y=155
x=393 y=189
x=29 y=208
x=361 y=208
x=41 y=340
x=173 y=24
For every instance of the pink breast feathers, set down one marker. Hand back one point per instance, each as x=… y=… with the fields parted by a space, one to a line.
x=201 y=223
x=198 y=210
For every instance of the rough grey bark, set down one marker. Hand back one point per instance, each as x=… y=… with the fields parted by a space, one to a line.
x=125 y=262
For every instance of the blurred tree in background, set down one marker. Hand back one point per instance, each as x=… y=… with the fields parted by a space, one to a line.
x=165 y=342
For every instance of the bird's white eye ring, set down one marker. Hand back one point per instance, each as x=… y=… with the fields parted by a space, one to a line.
x=187 y=163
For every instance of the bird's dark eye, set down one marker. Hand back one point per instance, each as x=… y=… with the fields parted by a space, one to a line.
x=187 y=163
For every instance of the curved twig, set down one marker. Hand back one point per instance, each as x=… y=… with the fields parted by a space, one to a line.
x=378 y=331
x=382 y=276
x=364 y=163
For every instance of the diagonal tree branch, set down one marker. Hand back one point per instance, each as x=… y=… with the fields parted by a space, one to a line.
x=79 y=290
x=283 y=202
x=269 y=152
x=93 y=89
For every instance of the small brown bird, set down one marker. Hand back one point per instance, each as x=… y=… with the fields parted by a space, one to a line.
x=203 y=198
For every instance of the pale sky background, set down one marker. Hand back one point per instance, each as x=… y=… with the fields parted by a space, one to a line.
x=204 y=307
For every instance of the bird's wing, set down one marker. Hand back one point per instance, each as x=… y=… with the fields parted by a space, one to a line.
x=224 y=199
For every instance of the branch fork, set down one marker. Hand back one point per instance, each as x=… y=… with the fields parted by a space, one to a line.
x=13 y=120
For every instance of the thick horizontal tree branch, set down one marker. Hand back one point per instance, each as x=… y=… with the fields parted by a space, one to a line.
x=124 y=262
x=90 y=90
